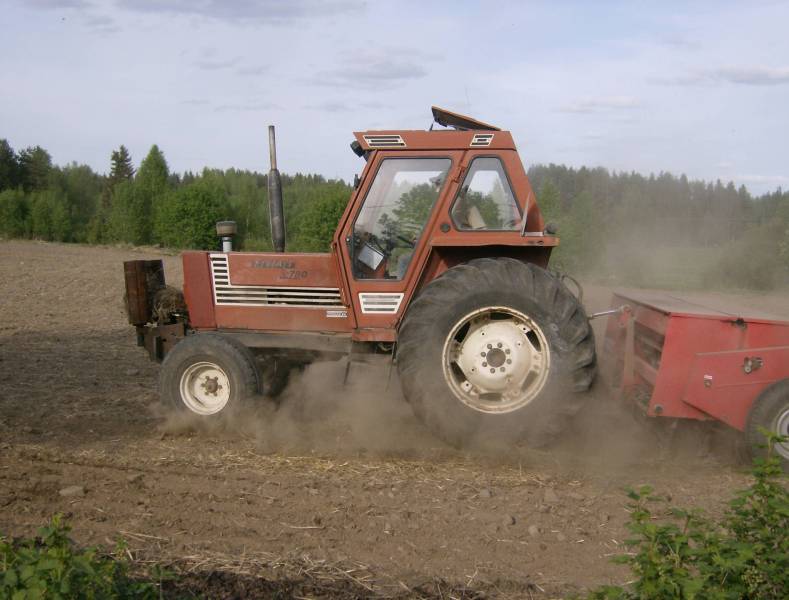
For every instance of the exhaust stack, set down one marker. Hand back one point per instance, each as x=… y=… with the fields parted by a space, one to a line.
x=275 y=206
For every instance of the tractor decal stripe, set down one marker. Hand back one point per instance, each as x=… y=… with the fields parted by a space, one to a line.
x=380 y=302
x=227 y=294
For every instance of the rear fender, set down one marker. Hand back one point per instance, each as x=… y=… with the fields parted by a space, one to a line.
x=442 y=258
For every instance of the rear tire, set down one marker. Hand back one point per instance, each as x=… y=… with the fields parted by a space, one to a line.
x=771 y=412
x=496 y=350
x=208 y=375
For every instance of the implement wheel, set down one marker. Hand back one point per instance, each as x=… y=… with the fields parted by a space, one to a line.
x=208 y=375
x=770 y=411
x=496 y=350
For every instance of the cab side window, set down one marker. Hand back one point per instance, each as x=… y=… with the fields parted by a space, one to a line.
x=485 y=200
x=394 y=213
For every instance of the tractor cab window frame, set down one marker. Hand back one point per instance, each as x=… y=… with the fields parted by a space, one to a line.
x=394 y=214
x=466 y=214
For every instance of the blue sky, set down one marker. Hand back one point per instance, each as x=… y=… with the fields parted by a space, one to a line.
x=700 y=88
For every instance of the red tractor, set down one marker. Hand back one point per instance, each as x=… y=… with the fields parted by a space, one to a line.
x=439 y=263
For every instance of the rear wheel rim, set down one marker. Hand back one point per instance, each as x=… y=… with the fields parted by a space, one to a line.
x=782 y=428
x=205 y=388
x=496 y=360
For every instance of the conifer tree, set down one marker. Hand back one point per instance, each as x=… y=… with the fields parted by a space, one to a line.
x=35 y=166
x=122 y=169
x=9 y=167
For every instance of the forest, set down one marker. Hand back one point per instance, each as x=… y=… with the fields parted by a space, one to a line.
x=622 y=228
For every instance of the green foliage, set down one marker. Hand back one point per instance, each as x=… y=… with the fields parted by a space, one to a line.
x=13 y=213
x=186 y=218
x=685 y=555
x=625 y=228
x=81 y=188
x=755 y=261
x=319 y=220
x=35 y=167
x=52 y=567
x=129 y=219
x=50 y=218
x=121 y=169
x=9 y=167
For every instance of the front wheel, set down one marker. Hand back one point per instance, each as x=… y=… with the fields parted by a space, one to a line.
x=496 y=350
x=208 y=375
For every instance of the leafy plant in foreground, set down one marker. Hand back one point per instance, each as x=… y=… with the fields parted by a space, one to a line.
x=51 y=567
x=744 y=556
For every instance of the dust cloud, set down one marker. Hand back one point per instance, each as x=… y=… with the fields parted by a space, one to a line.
x=367 y=416
x=321 y=413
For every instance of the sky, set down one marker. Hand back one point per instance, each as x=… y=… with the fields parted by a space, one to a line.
x=700 y=88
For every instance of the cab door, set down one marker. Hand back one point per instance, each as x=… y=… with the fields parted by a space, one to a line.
x=383 y=240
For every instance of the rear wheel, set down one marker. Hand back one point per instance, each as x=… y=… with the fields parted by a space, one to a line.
x=208 y=375
x=496 y=350
x=770 y=411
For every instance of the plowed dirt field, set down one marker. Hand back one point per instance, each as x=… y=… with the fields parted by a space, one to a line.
x=340 y=493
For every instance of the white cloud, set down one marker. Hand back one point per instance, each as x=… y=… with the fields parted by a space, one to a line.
x=744 y=75
x=601 y=104
x=239 y=11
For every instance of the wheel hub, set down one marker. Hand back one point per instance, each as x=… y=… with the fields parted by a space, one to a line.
x=211 y=385
x=495 y=357
x=205 y=388
x=496 y=360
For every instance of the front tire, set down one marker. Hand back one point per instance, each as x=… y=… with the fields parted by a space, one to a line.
x=496 y=350
x=208 y=375
x=770 y=411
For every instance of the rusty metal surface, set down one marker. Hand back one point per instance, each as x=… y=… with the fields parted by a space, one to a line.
x=443 y=139
x=197 y=290
x=283 y=318
x=283 y=269
x=679 y=303
x=159 y=340
x=447 y=118
x=338 y=342
x=721 y=386
x=677 y=351
x=143 y=278
x=440 y=247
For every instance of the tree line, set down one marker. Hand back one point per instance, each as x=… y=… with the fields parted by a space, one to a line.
x=151 y=205
x=659 y=230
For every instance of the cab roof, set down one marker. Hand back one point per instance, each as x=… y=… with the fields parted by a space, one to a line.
x=464 y=133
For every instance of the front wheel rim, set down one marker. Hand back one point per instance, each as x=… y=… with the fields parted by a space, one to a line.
x=205 y=388
x=782 y=429
x=496 y=360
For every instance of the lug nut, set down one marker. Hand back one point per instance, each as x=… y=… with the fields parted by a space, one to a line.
x=502 y=369
x=482 y=354
x=492 y=370
x=484 y=364
x=490 y=346
x=507 y=351
x=499 y=344
x=509 y=361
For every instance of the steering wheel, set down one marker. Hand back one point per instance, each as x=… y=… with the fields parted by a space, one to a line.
x=376 y=244
x=411 y=243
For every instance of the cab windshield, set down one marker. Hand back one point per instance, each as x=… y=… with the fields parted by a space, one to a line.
x=394 y=214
